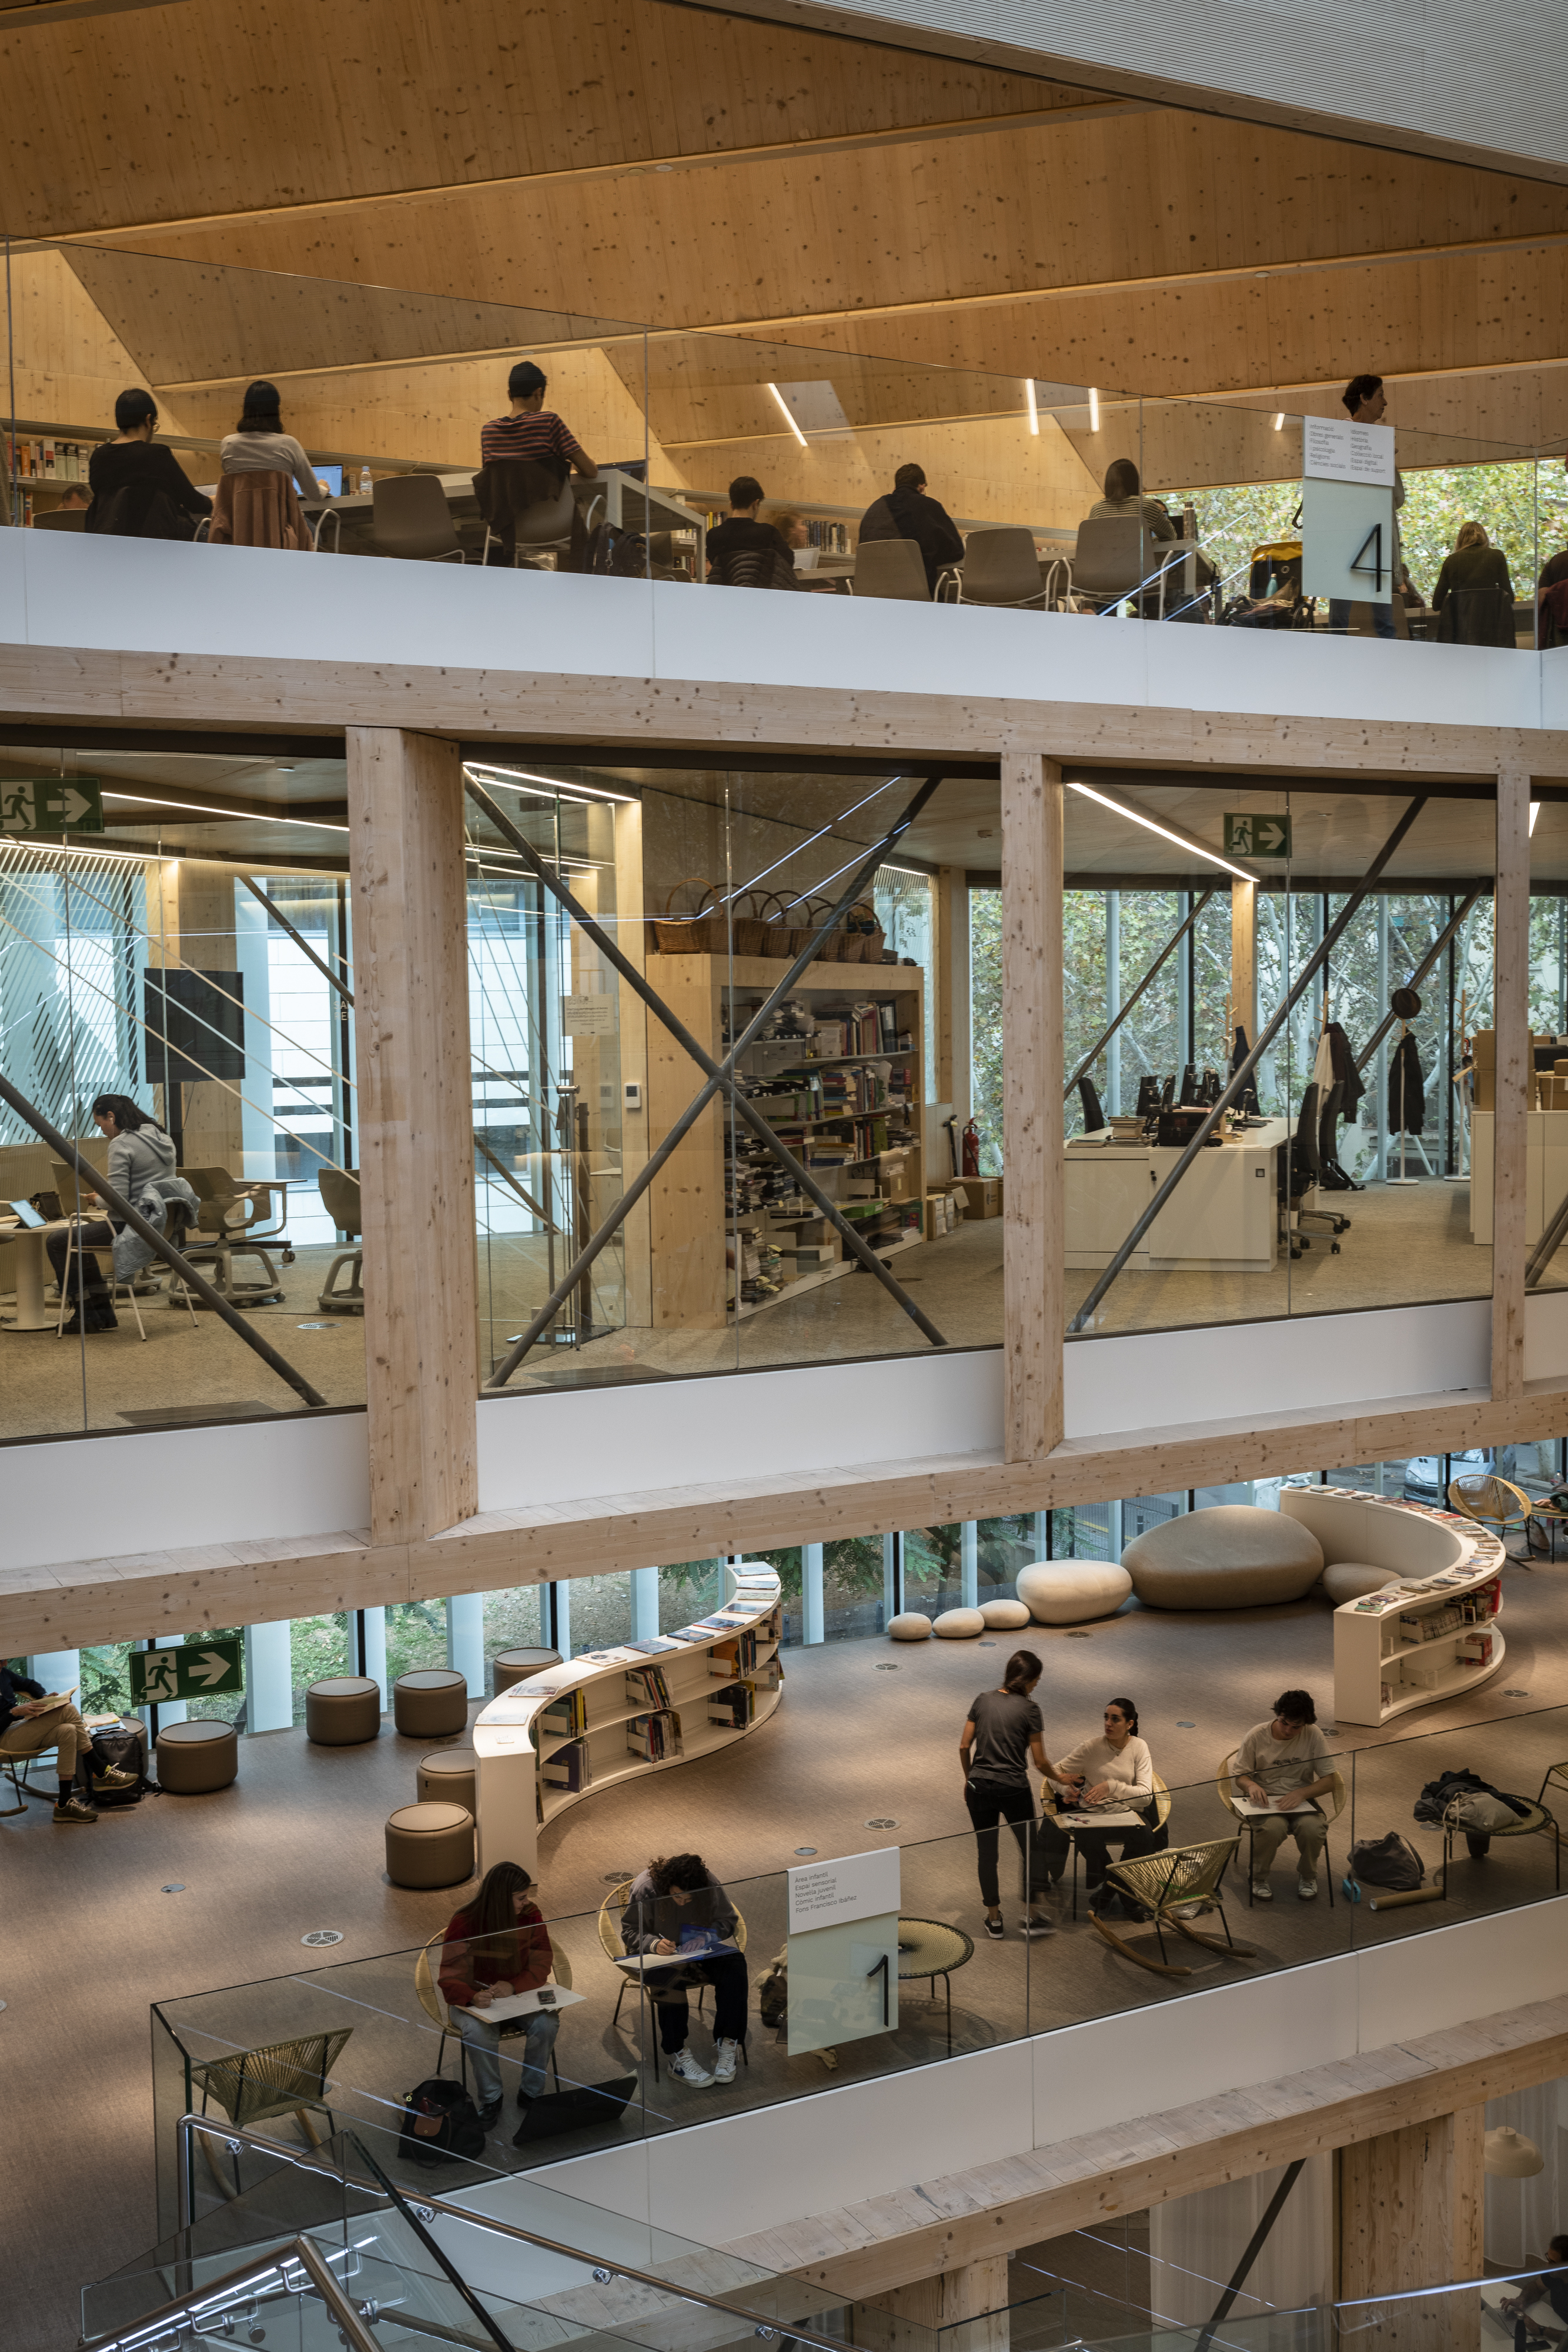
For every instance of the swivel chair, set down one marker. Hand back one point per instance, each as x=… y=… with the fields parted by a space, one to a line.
x=340 y=1190
x=1300 y=1169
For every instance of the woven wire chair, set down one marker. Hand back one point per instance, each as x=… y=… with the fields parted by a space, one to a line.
x=281 y=2078
x=612 y=1914
x=438 y=2009
x=1537 y=1822
x=1161 y=1885
x=1494 y=1503
x=1330 y=1805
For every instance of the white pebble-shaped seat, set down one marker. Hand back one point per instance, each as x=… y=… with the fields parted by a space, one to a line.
x=1004 y=1616
x=1353 y=1579
x=1230 y=1556
x=1069 y=1592
x=910 y=1626
x=958 y=1625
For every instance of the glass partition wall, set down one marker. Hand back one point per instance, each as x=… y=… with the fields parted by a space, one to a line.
x=194 y=959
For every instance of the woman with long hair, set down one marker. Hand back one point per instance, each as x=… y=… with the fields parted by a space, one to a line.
x=258 y=444
x=1001 y=1732
x=1474 y=595
x=1114 y=1769
x=141 y=1169
x=499 y=1944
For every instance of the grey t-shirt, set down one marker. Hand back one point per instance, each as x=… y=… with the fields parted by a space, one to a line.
x=1280 y=1764
x=1005 y=1722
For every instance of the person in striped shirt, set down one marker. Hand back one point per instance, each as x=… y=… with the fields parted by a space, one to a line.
x=532 y=430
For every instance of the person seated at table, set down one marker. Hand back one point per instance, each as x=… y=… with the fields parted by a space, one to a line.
x=909 y=511
x=29 y=1724
x=1001 y=1732
x=1474 y=595
x=141 y=1169
x=1279 y=1764
x=140 y=489
x=258 y=444
x=791 y=528
x=1116 y=1770
x=1552 y=2286
x=1124 y=496
x=1409 y=595
x=744 y=533
x=674 y=1905
x=76 y=498
x=533 y=431
x=499 y=1944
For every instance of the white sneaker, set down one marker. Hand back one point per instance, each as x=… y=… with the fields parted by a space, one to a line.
x=1261 y=1891
x=685 y=2066
x=723 y=2061
x=1306 y=1888
x=1037 y=1924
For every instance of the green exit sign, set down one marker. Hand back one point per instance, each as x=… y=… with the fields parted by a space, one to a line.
x=187 y=1670
x=1247 y=835
x=50 y=804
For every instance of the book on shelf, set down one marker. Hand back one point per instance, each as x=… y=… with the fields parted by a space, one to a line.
x=565 y=1717
x=734 y=1657
x=688 y=1634
x=647 y=1683
x=656 y=1737
x=569 y=1768
x=658 y=1648
x=734 y=1707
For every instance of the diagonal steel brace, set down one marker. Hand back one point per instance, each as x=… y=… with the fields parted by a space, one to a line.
x=720 y=1078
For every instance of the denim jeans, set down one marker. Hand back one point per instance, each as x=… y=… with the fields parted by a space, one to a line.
x=482 y=2042
x=1381 y=618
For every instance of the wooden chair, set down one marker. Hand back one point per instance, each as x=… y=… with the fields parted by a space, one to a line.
x=612 y=1912
x=1224 y=1781
x=1493 y=1502
x=436 y=2007
x=281 y=2078
x=1163 y=1885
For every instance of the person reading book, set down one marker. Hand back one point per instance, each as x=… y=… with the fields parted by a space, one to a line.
x=1279 y=1765
x=499 y=1944
x=32 y=1719
x=677 y=1907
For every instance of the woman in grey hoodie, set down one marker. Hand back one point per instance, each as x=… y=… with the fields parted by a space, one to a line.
x=142 y=1171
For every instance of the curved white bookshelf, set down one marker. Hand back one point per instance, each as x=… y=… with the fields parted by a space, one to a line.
x=548 y=1742
x=1390 y=1655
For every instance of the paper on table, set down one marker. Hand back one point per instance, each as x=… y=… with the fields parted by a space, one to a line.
x=637 y=1961
x=525 y=2004
x=1247 y=1807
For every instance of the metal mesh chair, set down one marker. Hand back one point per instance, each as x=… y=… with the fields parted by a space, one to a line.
x=438 y=2009
x=1225 y=1784
x=1537 y=1822
x=281 y=2078
x=1492 y=1502
x=1162 y=1884
x=612 y=1912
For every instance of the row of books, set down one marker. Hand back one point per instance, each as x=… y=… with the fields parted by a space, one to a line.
x=569 y=1767
x=734 y=1657
x=735 y=1707
x=647 y=1683
x=565 y=1717
x=864 y=1028
x=656 y=1738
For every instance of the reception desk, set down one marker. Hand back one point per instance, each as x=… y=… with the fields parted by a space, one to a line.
x=1223 y=1217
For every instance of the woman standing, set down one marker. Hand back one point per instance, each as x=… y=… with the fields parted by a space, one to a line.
x=499 y=1944
x=1002 y=1732
x=1114 y=1769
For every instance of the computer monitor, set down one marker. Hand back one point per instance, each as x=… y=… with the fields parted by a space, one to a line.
x=26 y=1214
x=333 y=478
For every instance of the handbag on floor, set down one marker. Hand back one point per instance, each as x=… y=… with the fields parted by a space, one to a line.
x=1390 y=1861
x=441 y=2124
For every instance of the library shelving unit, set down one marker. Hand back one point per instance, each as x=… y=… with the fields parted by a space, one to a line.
x=710 y=1209
x=614 y=1714
x=1435 y=1631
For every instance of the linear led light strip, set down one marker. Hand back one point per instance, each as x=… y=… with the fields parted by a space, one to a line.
x=1166 y=832
x=236 y=817
x=787 y=414
x=518 y=778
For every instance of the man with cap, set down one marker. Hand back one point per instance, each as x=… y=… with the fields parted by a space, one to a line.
x=532 y=430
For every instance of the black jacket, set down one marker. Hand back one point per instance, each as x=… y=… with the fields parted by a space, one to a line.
x=1347 y=1074
x=1474 y=598
x=911 y=514
x=13 y=1688
x=140 y=491
x=1407 y=1110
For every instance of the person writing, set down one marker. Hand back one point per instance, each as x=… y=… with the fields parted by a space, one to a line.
x=31 y=1720
x=499 y=1944
x=909 y=511
x=676 y=1906
x=142 y=1171
x=1551 y=2287
x=1280 y=1764
x=1114 y=1769
x=1001 y=1732
x=533 y=431
x=138 y=489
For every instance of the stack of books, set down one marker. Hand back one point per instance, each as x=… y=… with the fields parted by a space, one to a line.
x=654 y=1737
x=569 y=1768
x=734 y=1707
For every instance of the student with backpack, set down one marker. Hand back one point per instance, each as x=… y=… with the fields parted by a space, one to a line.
x=499 y=1944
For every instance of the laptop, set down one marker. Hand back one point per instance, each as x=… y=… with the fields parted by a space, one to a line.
x=587 y=2106
x=26 y=1214
x=333 y=478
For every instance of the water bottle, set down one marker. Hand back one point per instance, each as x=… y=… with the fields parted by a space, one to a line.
x=364 y=481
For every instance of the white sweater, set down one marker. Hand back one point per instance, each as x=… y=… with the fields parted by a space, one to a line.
x=268 y=453
x=1130 y=1776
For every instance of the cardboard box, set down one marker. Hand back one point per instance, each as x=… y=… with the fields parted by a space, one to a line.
x=1483 y=1046
x=1483 y=1085
x=984 y=1195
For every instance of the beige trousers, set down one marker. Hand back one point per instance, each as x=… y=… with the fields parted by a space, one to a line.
x=62 y=1729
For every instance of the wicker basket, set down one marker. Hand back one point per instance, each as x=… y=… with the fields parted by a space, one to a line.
x=701 y=933
x=802 y=933
x=863 y=937
x=757 y=933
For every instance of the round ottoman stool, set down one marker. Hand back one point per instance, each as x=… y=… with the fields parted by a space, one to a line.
x=430 y=1845
x=194 y=1758
x=430 y=1701
x=909 y=1626
x=958 y=1625
x=1004 y=1616
x=1068 y=1592
x=1230 y=1556
x=515 y=1666
x=342 y=1711
x=447 y=1778
x=1353 y=1579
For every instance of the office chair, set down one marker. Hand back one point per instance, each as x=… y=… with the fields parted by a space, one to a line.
x=1001 y=568
x=1300 y=1172
x=340 y=1190
x=1117 y=557
x=412 y=520
x=1093 y=1116
x=526 y=513
x=756 y=567
x=890 y=567
x=1167 y=1093
x=1334 y=1178
x=1148 y=1096
x=1189 y=1085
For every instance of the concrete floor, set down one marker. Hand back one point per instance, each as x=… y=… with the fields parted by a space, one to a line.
x=93 y=1940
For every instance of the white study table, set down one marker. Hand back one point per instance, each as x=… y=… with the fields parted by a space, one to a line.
x=1222 y=1219
x=626 y=502
x=31 y=1313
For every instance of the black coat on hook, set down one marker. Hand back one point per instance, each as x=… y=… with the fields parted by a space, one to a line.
x=1407 y=1109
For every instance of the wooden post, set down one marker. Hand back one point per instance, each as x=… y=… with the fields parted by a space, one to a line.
x=416 y=1143
x=1032 y=1133
x=1412 y=2209
x=972 y=2299
x=1243 y=960
x=1510 y=1127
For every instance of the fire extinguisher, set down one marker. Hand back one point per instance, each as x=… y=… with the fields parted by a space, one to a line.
x=971 y=1150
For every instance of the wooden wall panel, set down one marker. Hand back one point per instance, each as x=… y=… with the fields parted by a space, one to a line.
x=1411 y=2206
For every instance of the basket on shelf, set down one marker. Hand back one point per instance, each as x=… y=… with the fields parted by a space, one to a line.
x=757 y=933
x=808 y=915
x=700 y=933
x=863 y=936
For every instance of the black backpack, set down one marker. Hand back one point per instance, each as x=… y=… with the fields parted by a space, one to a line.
x=121 y=1752
x=457 y=2131
x=1390 y=1861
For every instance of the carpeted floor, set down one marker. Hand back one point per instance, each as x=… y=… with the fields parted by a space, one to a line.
x=296 y=1845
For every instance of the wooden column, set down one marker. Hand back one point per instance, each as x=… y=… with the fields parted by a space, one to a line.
x=1243 y=959
x=1412 y=2210
x=416 y=1145
x=971 y=2298
x=1510 y=1014
x=1033 y=1289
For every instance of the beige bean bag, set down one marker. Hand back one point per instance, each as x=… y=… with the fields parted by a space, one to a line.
x=1231 y=1556
x=911 y=1627
x=1004 y=1616
x=1353 y=1579
x=958 y=1625
x=1069 y=1591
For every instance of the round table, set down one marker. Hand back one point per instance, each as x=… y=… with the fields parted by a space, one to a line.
x=933 y=1947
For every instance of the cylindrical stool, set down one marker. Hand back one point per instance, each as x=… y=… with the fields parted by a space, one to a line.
x=431 y=1701
x=342 y=1711
x=447 y=1778
x=194 y=1757
x=430 y=1845
x=517 y=1665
